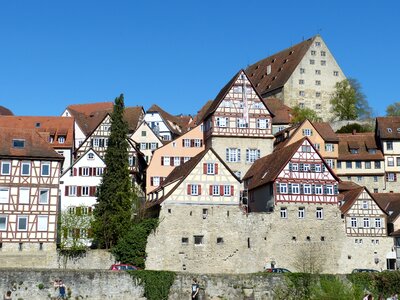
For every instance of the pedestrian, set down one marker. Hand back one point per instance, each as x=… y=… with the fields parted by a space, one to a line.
x=195 y=289
x=61 y=288
x=7 y=296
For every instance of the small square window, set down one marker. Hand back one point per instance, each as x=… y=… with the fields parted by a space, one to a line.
x=317 y=94
x=18 y=143
x=185 y=241
x=220 y=240
x=198 y=239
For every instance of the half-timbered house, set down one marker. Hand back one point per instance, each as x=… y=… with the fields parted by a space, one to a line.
x=146 y=140
x=29 y=182
x=237 y=125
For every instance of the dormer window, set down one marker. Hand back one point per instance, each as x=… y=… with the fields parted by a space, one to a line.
x=37 y=125
x=268 y=69
x=51 y=139
x=372 y=151
x=18 y=143
x=354 y=151
x=389 y=129
x=90 y=156
x=61 y=139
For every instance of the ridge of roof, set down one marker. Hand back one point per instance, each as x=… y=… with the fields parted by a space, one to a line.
x=170 y=118
x=4 y=111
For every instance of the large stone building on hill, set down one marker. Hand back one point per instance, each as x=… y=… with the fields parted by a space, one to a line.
x=304 y=75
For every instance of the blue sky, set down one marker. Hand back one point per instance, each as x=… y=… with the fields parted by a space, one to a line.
x=179 y=54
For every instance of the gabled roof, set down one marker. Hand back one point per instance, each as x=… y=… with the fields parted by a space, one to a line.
x=349 y=197
x=326 y=132
x=88 y=122
x=282 y=66
x=200 y=114
x=225 y=90
x=81 y=157
x=390 y=202
x=361 y=141
x=35 y=147
x=133 y=115
x=388 y=127
x=171 y=121
x=47 y=126
x=5 y=111
x=144 y=123
x=181 y=172
x=282 y=114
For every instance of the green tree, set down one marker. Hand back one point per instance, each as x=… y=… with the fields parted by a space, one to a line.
x=393 y=109
x=115 y=196
x=300 y=114
x=349 y=128
x=349 y=102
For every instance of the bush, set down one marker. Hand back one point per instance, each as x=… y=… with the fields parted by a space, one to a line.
x=349 y=128
x=156 y=283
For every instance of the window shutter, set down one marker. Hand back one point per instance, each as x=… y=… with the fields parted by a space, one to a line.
x=311 y=132
x=304 y=132
x=333 y=147
x=301 y=189
x=204 y=168
x=92 y=190
x=289 y=188
x=171 y=161
x=90 y=172
x=335 y=188
x=189 y=189
x=77 y=233
x=227 y=154
x=290 y=168
x=277 y=186
x=238 y=152
x=221 y=190
x=395 y=177
x=94 y=171
x=182 y=160
x=191 y=143
x=232 y=190
x=80 y=171
x=216 y=168
x=387 y=176
x=312 y=167
x=313 y=189
x=201 y=143
x=75 y=172
x=199 y=188
x=258 y=153
x=183 y=142
x=78 y=191
x=89 y=210
x=151 y=181
x=210 y=190
x=162 y=160
x=247 y=154
x=66 y=190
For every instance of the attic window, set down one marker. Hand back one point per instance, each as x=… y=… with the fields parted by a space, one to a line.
x=273 y=60
x=353 y=151
x=280 y=69
x=389 y=129
x=37 y=125
x=18 y=143
x=268 y=69
x=257 y=67
x=291 y=52
x=273 y=78
x=285 y=61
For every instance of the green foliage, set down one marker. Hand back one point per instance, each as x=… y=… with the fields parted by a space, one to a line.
x=349 y=128
x=156 y=283
x=72 y=225
x=348 y=101
x=301 y=114
x=40 y=286
x=131 y=247
x=331 y=287
x=115 y=197
x=393 y=109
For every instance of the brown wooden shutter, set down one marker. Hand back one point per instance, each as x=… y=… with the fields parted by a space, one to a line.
x=204 y=168
x=221 y=190
x=210 y=190
x=151 y=181
x=189 y=189
x=92 y=190
x=80 y=171
x=216 y=168
x=199 y=188
x=171 y=161
x=66 y=191
x=231 y=190
x=201 y=143
x=79 y=188
x=75 y=172
x=191 y=143
x=183 y=142
x=90 y=172
x=162 y=160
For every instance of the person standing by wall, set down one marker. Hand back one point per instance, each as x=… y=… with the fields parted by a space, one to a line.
x=7 y=296
x=195 y=289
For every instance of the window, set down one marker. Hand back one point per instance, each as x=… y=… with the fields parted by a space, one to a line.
x=3 y=223
x=45 y=169
x=283 y=188
x=389 y=145
x=295 y=167
x=366 y=222
x=167 y=161
x=317 y=72
x=378 y=222
x=228 y=190
x=284 y=213
x=312 y=62
x=329 y=189
x=85 y=171
x=323 y=53
x=301 y=212
x=215 y=190
x=302 y=93
x=72 y=190
x=301 y=81
x=317 y=146
x=375 y=178
x=318 y=94
x=155 y=181
x=317 y=168
x=177 y=161
x=397 y=161
x=302 y=70
x=323 y=62
x=301 y=105
x=22 y=223
x=354 y=151
x=131 y=161
x=186 y=158
x=339 y=164
x=44 y=196
x=317 y=44
x=210 y=168
x=24 y=194
x=391 y=177
x=317 y=82
x=18 y=143
x=90 y=156
x=194 y=189
x=307 y=189
x=26 y=168
x=198 y=239
x=353 y=222
x=358 y=164
x=319 y=213
x=232 y=154
x=220 y=240
x=365 y=204
x=144 y=133
x=368 y=165
x=153 y=146
x=143 y=146
x=61 y=139
x=329 y=147
x=306 y=149
x=306 y=167
x=262 y=123
x=42 y=222
x=99 y=171
x=318 y=189
x=313 y=52
x=295 y=188
x=185 y=241
x=252 y=155
x=197 y=143
x=390 y=162
x=335 y=73
x=186 y=143
x=85 y=191
x=222 y=122
x=330 y=162
x=307 y=132
x=5 y=168
x=377 y=165
x=348 y=165
x=241 y=123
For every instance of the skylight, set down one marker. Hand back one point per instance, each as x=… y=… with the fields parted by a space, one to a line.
x=18 y=143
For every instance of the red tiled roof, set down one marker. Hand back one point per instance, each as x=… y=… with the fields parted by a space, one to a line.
x=390 y=202
x=171 y=121
x=5 y=111
x=134 y=116
x=282 y=113
x=56 y=126
x=200 y=114
x=388 y=127
x=34 y=146
x=282 y=66
x=358 y=141
x=89 y=108
x=326 y=131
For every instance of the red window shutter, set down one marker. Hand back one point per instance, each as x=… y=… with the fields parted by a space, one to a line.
x=93 y=171
x=151 y=181
x=80 y=171
x=204 y=168
x=221 y=190
x=191 y=143
x=92 y=190
x=199 y=188
x=216 y=168
x=231 y=190
x=162 y=160
x=66 y=190
x=210 y=191
x=189 y=189
x=75 y=172
x=78 y=192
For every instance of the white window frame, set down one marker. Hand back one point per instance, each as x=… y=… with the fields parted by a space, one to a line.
x=319 y=213
x=3 y=164
x=390 y=161
x=222 y=122
x=24 y=195
x=241 y=123
x=42 y=223
x=283 y=188
x=366 y=223
x=307 y=189
x=262 y=123
x=353 y=222
x=365 y=204
x=318 y=168
x=295 y=167
x=329 y=189
x=307 y=132
x=197 y=143
x=26 y=224
x=186 y=143
x=295 y=188
x=61 y=139
x=283 y=213
x=85 y=191
x=143 y=146
x=227 y=190
x=252 y=155
x=72 y=190
x=153 y=146
x=194 y=190
x=167 y=161
x=85 y=171
x=301 y=214
x=319 y=189
x=99 y=171
x=233 y=155
x=90 y=156
x=215 y=190
x=378 y=223
x=177 y=161
x=44 y=196
x=210 y=168
x=42 y=169
x=156 y=180
x=28 y=164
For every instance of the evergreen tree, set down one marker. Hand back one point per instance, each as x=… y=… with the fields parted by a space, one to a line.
x=114 y=208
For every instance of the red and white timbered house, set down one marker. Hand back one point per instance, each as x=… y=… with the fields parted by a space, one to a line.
x=29 y=181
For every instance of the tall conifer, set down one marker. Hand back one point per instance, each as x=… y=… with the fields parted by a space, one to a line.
x=113 y=211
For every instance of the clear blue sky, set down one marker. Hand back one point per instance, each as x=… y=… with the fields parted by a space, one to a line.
x=179 y=54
